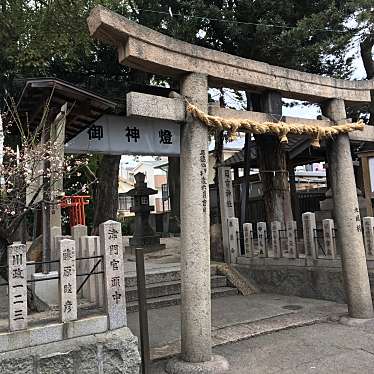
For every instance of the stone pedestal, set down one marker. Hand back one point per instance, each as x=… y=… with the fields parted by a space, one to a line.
x=196 y=341
x=216 y=365
x=347 y=218
x=106 y=352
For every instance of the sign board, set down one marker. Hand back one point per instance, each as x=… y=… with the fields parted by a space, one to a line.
x=119 y=135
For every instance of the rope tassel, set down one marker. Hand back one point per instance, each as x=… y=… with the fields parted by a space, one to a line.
x=280 y=129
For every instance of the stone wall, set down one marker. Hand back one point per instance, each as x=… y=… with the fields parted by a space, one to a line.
x=112 y=352
x=318 y=283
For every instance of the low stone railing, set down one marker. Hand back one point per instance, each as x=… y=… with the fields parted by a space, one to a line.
x=89 y=266
x=307 y=245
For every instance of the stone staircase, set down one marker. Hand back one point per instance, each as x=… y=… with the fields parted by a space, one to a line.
x=164 y=286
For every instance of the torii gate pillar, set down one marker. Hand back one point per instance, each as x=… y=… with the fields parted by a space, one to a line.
x=347 y=217
x=196 y=355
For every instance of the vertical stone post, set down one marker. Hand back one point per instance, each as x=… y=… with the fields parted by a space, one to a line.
x=309 y=227
x=328 y=237
x=226 y=203
x=91 y=243
x=196 y=342
x=291 y=229
x=234 y=239
x=347 y=218
x=262 y=239
x=17 y=278
x=248 y=239
x=99 y=278
x=77 y=232
x=68 y=281
x=275 y=239
x=115 y=298
x=369 y=236
x=55 y=233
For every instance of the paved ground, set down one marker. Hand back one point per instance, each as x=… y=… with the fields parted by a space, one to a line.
x=322 y=348
x=164 y=324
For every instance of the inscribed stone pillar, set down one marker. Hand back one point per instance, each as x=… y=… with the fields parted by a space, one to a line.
x=195 y=253
x=226 y=201
x=328 y=237
x=309 y=227
x=234 y=239
x=275 y=239
x=262 y=239
x=369 y=236
x=347 y=218
x=57 y=136
x=248 y=239
x=291 y=229
x=115 y=298
x=68 y=281
x=55 y=255
x=17 y=287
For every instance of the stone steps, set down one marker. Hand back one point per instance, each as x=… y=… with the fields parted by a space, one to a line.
x=163 y=288
x=163 y=301
x=169 y=288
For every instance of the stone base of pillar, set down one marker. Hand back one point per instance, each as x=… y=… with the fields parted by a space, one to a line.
x=349 y=321
x=216 y=365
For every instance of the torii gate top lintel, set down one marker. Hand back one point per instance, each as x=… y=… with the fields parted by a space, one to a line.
x=145 y=49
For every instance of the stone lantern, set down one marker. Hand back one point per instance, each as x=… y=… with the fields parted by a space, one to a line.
x=144 y=236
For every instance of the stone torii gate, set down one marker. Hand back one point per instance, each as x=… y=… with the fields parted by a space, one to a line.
x=197 y=68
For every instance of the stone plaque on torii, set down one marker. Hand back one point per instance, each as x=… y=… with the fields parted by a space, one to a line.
x=196 y=68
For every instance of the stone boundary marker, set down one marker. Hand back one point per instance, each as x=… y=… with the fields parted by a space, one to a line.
x=309 y=227
x=17 y=287
x=291 y=230
x=262 y=239
x=368 y=223
x=329 y=237
x=248 y=239
x=226 y=201
x=275 y=239
x=234 y=239
x=68 y=281
x=111 y=247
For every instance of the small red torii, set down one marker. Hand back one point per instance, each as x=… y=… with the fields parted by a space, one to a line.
x=75 y=205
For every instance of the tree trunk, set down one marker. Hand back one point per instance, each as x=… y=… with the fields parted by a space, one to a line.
x=106 y=199
x=174 y=192
x=272 y=162
x=368 y=61
x=218 y=155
